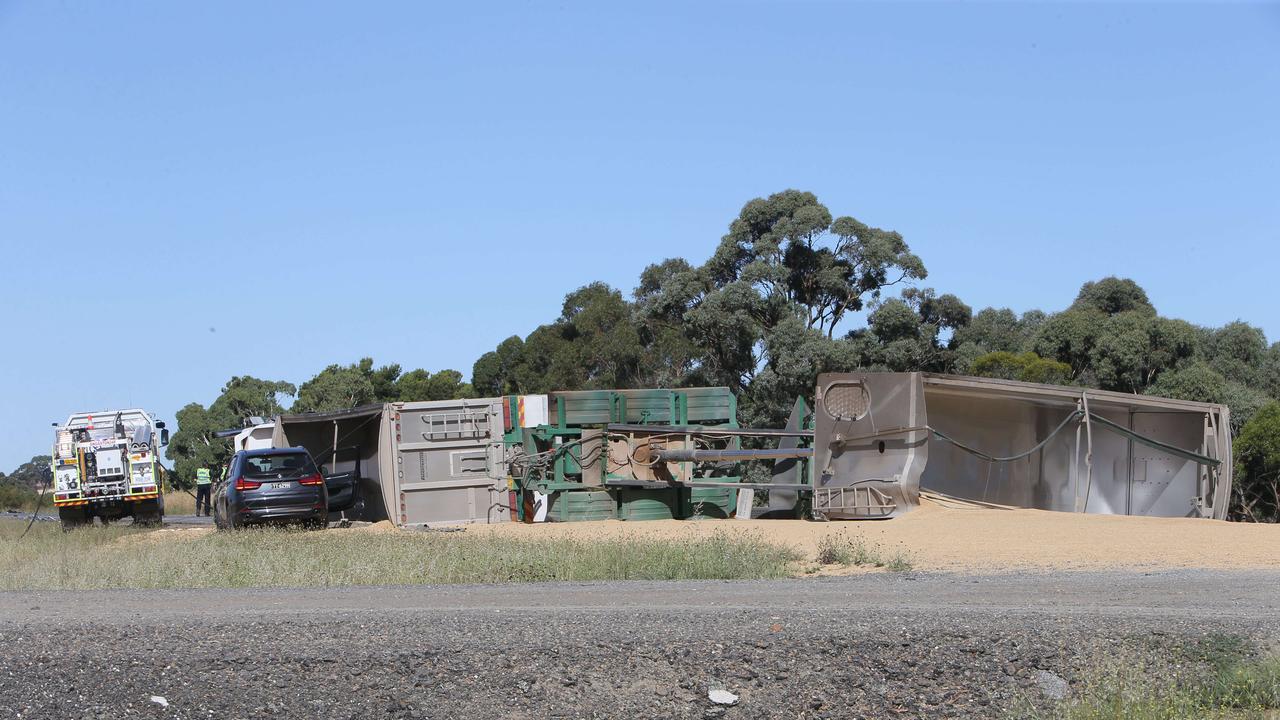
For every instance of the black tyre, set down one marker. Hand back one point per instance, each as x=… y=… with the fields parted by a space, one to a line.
x=148 y=513
x=73 y=517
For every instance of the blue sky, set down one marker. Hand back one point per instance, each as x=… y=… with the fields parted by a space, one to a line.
x=416 y=182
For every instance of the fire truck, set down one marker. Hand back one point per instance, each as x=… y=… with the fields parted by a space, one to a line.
x=105 y=465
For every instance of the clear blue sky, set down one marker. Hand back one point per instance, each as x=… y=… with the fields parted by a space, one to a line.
x=417 y=181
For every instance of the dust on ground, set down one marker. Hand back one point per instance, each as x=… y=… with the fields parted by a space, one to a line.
x=378 y=528
x=962 y=538
x=163 y=535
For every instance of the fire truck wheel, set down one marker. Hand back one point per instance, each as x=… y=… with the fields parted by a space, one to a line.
x=148 y=513
x=72 y=518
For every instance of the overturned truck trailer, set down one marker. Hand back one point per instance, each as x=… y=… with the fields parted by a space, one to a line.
x=881 y=438
x=413 y=463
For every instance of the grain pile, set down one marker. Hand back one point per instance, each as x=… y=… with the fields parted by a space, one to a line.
x=956 y=537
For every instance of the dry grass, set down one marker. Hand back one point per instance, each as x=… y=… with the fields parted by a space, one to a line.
x=179 y=502
x=123 y=557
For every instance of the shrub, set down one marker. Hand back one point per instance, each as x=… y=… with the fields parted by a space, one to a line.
x=1027 y=367
x=1256 y=491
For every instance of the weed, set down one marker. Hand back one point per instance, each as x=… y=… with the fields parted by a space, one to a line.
x=1228 y=683
x=838 y=549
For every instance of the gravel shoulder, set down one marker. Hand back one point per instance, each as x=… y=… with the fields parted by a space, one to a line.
x=878 y=645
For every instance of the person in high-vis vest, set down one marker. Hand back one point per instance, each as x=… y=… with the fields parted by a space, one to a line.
x=204 y=483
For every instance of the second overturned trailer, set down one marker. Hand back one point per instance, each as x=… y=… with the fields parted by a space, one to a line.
x=883 y=437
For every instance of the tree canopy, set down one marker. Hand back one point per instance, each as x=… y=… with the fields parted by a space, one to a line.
x=1257 y=477
x=759 y=316
x=195 y=444
x=338 y=387
x=30 y=474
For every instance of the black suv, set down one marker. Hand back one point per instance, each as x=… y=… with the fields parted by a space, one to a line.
x=277 y=485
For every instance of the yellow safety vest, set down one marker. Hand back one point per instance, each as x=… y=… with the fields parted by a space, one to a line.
x=202 y=476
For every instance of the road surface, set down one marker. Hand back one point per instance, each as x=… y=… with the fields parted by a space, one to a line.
x=878 y=645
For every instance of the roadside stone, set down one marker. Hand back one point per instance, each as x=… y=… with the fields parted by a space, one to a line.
x=1053 y=686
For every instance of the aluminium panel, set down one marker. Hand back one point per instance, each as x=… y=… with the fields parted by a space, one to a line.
x=447 y=460
x=1011 y=443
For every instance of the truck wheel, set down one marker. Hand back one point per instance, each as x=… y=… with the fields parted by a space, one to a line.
x=148 y=513
x=72 y=518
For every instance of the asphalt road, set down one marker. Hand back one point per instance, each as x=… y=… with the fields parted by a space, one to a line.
x=188 y=519
x=882 y=645
x=46 y=515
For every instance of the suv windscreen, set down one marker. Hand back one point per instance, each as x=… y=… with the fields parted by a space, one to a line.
x=284 y=466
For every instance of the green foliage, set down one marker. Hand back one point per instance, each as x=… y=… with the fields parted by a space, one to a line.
x=1112 y=296
x=194 y=444
x=1000 y=330
x=895 y=320
x=796 y=259
x=1271 y=371
x=339 y=387
x=1199 y=382
x=595 y=343
x=965 y=354
x=1069 y=337
x=1257 y=478
x=794 y=356
x=245 y=396
x=1238 y=351
x=1027 y=367
x=906 y=334
x=16 y=496
x=1112 y=338
x=30 y=474
x=1132 y=348
x=495 y=373
x=418 y=385
x=383 y=381
x=783 y=278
